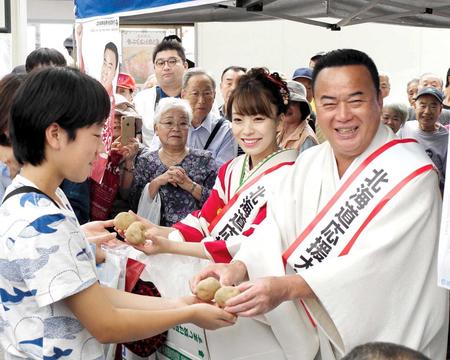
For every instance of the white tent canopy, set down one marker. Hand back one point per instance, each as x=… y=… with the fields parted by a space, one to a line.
x=423 y=13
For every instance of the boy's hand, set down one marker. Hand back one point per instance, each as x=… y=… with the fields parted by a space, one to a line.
x=211 y=317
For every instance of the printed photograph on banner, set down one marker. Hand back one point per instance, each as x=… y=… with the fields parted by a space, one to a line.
x=99 y=49
x=444 y=235
x=137 y=50
x=98 y=54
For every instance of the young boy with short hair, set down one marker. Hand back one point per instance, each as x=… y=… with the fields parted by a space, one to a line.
x=52 y=304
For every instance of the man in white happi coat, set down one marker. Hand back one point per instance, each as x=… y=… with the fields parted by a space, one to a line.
x=352 y=233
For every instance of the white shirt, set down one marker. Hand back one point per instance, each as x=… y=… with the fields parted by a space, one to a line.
x=44 y=258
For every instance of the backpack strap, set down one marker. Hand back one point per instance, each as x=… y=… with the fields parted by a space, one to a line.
x=28 y=189
x=213 y=133
x=158 y=96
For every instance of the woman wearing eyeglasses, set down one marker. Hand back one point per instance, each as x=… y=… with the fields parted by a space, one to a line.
x=183 y=177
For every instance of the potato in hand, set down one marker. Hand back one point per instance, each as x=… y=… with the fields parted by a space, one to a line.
x=207 y=288
x=225 y=293
x=135 y=234
x=123 y=220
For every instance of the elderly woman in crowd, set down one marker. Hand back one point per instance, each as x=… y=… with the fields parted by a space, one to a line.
x=295 y=132
x=9 y=167
x=183 y=177
x=394 y=115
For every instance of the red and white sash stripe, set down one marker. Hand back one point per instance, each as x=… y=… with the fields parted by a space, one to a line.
x=338 y=225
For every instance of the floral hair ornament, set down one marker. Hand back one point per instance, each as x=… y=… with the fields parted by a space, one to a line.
x=276 y=79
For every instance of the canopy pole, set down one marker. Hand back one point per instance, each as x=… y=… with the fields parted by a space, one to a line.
x=282 y=16
x=348 y=19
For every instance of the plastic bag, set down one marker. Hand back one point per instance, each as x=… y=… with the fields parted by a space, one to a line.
x=148 y=208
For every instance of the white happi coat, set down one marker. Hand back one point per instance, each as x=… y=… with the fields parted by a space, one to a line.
x=384 y=289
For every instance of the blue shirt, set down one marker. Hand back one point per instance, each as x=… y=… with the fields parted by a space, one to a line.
x=223 y=147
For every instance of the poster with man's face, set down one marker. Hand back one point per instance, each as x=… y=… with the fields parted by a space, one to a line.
x=99 y=49
x=98 y=54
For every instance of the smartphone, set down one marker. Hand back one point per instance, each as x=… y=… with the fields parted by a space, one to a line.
x=127 y=129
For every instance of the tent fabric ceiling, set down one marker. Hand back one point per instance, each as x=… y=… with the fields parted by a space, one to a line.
x=425 y=13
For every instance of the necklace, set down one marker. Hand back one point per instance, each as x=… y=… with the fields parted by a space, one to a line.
x=172 y=160
x=246 y=172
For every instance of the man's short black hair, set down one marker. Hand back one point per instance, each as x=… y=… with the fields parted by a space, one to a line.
x=169 y=45
x=383 y=351
x=172 y=37
x=234 y=68
x=345 y=57
x=61 y=95
x=44 y=57
x=111 y=46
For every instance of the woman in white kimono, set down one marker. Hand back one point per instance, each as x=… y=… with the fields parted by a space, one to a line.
x=236 y=206
x=238 y=200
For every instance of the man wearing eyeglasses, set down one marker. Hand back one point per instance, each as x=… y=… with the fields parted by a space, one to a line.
x=169 y=61
x=208 y=130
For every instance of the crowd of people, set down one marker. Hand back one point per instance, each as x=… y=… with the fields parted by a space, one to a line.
x=315 y=196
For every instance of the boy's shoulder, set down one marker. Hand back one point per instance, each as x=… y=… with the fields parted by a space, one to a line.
x=31 y=213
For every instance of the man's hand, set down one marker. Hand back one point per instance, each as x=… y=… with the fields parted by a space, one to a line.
x=227 y=274
x=264 y=294
x=258 y=297
x=211 y=317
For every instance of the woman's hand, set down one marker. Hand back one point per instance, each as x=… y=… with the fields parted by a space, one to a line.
x=165 y=178
x=157 y=230
x=179 y=175
x=155 y=244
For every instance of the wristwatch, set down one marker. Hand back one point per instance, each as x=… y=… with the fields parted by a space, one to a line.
x=194 y=185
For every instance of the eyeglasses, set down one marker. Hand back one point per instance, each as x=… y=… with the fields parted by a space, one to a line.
x=171 y=62
x=173 y=125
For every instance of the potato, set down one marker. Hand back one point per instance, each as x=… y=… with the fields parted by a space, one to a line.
x=225 y=293
x=207 y=288
x=123 y=220
x=135 y=234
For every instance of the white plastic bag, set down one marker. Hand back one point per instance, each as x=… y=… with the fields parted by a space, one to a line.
x=111 y=273
x=148 y=208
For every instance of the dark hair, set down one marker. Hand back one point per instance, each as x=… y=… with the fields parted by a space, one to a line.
x=169 y=45
x=345 y=57
x=64 y=96
x=111 y=46
x=234 y=68
x=172 y=37
x=256 y=91
x=305 y=110
x=8 y=87
x=44 y=56
x=446 y=79
x=383 y=351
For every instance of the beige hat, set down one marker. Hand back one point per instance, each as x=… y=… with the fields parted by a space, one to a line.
x=297 y=93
